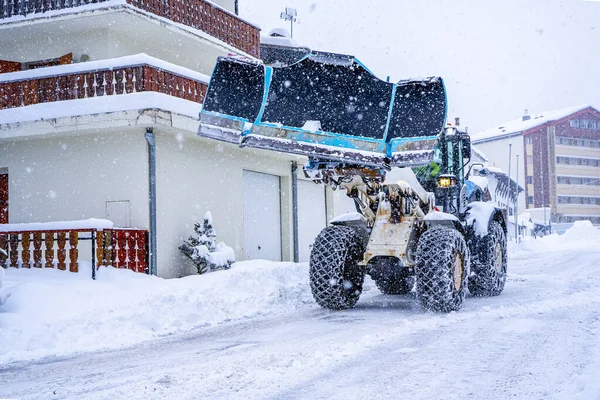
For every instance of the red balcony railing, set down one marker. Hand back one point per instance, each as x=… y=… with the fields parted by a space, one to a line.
x=60 y=249
x=102 y=82
x=198 y=14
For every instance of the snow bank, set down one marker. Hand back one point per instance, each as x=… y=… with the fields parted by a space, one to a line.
x=582 y=235
x=56 y=313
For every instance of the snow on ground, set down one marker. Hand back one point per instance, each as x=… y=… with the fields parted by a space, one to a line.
x=254 y=332
x=52 y=312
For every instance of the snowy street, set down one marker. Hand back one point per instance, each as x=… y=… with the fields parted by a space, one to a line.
x=539 y=339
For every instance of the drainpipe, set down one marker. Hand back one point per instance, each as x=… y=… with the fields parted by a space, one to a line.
x=295 y=209
x=150 y=138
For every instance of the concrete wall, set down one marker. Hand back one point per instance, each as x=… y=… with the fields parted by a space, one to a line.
x=71 y=178
x=229 y=5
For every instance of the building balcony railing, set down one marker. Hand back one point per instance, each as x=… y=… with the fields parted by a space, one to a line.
x=99 y=78
x=198 y=14
x=62 y=249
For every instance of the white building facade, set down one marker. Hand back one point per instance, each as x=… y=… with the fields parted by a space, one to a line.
x=116 y=91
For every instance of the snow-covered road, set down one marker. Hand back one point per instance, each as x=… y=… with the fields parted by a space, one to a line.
x=539 y=339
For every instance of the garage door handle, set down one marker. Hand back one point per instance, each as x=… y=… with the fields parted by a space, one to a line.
x=259 y=247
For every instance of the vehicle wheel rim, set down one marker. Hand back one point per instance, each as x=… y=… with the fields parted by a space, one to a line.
x=458 y=272
x=498 y=257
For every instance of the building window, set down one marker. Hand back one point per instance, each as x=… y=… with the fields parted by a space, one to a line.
x=574 y=123
x=586 y=162
x=529 y=199
x=570 y=141
x=593 y=201
x=528 y=140
x=529 y=179
x=579 y=180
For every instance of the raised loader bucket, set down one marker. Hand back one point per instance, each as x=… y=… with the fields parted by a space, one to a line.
x=233 y=99
x=325 y=106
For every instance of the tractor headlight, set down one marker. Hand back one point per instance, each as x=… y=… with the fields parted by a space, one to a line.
x=446 y=181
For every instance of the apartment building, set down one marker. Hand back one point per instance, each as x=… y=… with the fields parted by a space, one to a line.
x=559 y=156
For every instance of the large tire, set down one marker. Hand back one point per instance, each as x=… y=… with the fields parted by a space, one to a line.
x=488 y=268
x=389 y=278
x=336 y=279
x=441 y=269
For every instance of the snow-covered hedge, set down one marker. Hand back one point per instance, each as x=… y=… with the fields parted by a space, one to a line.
x=205 y=253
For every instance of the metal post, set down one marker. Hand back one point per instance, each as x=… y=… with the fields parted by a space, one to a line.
x=93 y=255
x=509 y=180
x=150 y=138
x=517 y=205
x=543 y=194
x=295 y=209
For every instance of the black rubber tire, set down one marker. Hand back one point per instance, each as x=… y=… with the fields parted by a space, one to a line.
x=336 y=279
x=390 y=279
x=488 y=276
x=437 y=252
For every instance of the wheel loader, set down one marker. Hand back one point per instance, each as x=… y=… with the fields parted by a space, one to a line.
x=429 y=230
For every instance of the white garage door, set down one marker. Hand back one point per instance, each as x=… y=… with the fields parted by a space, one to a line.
x=262 y=216
x=311 y=216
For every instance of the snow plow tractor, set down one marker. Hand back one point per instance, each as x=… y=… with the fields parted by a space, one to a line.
x=429 y=231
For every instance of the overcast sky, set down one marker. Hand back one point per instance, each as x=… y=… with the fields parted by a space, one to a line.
x=497 y=58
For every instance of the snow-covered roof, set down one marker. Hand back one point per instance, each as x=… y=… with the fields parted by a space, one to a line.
x=479 y=153
x=518 y=125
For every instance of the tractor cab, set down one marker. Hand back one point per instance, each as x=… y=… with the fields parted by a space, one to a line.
x=445 y=174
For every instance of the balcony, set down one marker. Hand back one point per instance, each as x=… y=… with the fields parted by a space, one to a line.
x=114 y=77
x=201 y=15
x=71 y=248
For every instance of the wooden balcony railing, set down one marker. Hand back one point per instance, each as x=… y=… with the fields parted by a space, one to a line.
x=61 y=249
x=104 y=82
x=198 y=14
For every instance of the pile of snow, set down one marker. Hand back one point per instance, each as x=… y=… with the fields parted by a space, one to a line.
x=48 y=312
x=582 y=235
x=222 y=255
x=1 y=275
x=582 y=231
x=480 y=181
